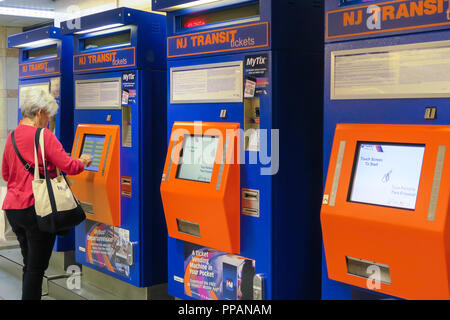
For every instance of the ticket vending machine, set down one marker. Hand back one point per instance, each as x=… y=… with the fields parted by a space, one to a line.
x=385 y=203
x=45 y=60
x=385 y=209
x=120 y=118
x=241 y=185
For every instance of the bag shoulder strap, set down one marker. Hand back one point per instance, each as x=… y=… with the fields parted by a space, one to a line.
x=39 y=140
x=27 y=166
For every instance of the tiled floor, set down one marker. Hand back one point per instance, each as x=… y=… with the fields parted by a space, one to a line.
x=11 y=282
x=11 y=287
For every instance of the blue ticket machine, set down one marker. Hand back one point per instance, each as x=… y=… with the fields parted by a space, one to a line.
x=386 y=64
x=120 y=119
x=45 y=60
x=244 y=77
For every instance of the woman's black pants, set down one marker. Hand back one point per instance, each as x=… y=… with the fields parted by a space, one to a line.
x=36 y=247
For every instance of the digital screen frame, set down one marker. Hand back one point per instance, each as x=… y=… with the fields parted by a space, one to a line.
x=180 y=174
x=387 y=175
x=96 y=159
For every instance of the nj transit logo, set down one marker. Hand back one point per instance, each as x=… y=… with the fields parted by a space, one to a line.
x=118 y=58
x=392 y=16
x=229 y=284
x=377 y=148
x=219 y=40
x=40 y=68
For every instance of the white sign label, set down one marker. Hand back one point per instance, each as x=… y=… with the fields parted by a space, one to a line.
x=394 y=72
x=98 y=95
x=207 y=84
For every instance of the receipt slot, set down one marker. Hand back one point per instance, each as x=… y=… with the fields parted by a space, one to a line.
x=200 y=185
x=120 y=115
x=45 y=61
x=385 y=209
x=249 y=230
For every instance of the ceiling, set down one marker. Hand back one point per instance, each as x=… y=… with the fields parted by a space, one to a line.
x=15 y=21
x=29 y=4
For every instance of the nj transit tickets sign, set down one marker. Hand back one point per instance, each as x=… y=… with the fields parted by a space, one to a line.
x=219 y=40
x=39 y=68
x=387 y=17
x=110 y=59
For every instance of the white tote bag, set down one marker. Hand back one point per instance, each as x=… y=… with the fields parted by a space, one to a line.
x=62 y=195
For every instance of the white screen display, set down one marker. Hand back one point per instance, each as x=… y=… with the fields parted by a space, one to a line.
x=387 y=174
x=198 y=156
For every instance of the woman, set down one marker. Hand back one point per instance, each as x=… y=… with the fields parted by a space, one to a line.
x=37 y=107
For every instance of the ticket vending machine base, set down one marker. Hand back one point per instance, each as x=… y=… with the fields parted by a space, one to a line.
x=121 y=289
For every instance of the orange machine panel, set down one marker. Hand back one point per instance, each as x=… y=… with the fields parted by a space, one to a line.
x=98 y=187
x=392 y=247
x=202 y=202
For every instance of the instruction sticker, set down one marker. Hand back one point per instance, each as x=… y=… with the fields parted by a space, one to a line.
x=128 y=88
x=108 y=247
x=256 y=75
x=210 y=274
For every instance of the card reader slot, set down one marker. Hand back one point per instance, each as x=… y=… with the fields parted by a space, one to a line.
x=251 y=195
x=250 y=202
x=106 y=156
x=125 y=186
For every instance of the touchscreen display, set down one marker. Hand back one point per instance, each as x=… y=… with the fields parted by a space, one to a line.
x=197 y=158
x=387 y=174
x=93 y=145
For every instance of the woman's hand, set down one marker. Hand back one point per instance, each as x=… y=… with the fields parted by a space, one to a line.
x=86 y=159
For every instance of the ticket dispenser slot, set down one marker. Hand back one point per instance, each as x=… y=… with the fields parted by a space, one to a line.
x=201 y=183
x=385 y=214
x=98 y=187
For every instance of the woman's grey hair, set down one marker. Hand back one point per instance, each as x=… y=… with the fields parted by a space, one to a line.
x=33 y=99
